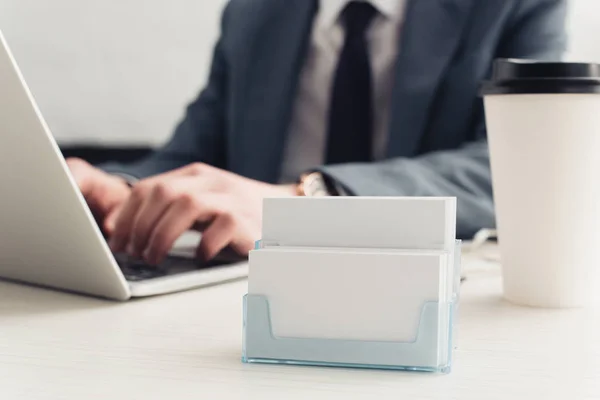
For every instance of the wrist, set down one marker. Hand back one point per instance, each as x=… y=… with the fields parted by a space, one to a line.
x=292 y=190
x=279 y=191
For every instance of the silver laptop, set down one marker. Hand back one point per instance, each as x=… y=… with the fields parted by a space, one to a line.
x=48 y=235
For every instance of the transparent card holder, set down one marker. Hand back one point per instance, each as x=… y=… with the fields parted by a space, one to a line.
x=430 y=351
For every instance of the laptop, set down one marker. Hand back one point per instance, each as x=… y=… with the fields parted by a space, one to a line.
x=48 y=235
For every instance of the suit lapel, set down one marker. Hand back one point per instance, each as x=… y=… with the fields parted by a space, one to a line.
x=430 y=37
x=273 y=71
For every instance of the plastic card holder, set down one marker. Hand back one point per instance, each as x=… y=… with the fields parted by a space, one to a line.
x=429 y=350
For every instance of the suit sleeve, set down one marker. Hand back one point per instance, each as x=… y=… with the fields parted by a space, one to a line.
x=537 y=31
x=200 y=136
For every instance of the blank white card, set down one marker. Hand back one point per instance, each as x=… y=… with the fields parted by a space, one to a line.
x=361 y=222
x=352 y=294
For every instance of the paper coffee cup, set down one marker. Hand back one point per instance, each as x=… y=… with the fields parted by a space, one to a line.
x=543 y=123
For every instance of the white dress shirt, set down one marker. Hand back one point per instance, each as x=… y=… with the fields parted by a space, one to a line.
x=307 y=139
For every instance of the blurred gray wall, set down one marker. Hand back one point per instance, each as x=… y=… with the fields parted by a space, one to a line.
x=121 y=71
x=115 y=71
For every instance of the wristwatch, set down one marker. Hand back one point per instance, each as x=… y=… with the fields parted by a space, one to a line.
x=315 y=184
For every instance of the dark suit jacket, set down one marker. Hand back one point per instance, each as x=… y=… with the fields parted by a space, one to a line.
x=437 y=138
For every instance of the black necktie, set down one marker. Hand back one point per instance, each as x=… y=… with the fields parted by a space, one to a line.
x=351 y=108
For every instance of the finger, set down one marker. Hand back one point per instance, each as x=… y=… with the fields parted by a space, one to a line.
x=216 y=237
x=166 y=191
x=179 y=218
x=111 y=220
x=162 y=195
x=126 y=217
x=80 y=170
x=124 y=223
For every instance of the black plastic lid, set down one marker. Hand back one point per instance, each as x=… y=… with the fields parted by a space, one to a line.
x=512 y=76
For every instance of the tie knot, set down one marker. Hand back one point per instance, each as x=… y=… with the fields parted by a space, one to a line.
x=357 y=16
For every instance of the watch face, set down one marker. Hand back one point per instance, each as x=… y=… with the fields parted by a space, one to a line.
x=315 y=186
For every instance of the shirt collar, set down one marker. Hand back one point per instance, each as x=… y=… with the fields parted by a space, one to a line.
x=330 y=10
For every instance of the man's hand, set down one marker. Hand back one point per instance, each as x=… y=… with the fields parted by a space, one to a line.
x=104 y=193
x=227 y=208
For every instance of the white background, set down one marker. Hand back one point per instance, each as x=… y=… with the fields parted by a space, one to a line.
x=122 y=71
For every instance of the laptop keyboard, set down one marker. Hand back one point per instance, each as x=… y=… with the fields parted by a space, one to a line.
x=137 y=270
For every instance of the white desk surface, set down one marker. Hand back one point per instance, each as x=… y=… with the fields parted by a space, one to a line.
x=187 y=346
